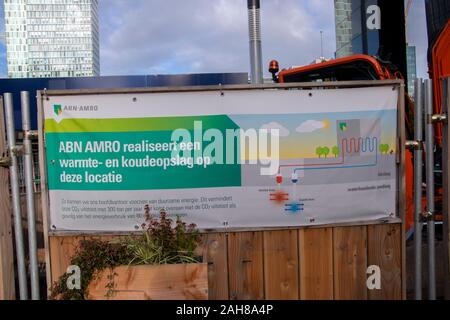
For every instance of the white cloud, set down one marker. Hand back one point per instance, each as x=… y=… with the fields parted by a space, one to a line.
x=310 y=126
x=284 y=132
x=195 y=36
x=173 y=36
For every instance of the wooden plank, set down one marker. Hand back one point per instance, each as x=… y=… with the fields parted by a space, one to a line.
x=38 y=211
x=245 y=265
x=61 y=251
x=214 y=252
x=384 y=250
x=7 y=288
x=316 y=264
x=41 y=255
x=159 y=282
x=392 y=220
x=350 y=263
x=102 y=237
x=281 y=265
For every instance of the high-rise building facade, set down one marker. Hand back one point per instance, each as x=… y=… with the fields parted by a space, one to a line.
x=372 y=27
x=438 y=14
x=343 y=21
x=368 y=26
x=52 y=38
x=411 y=67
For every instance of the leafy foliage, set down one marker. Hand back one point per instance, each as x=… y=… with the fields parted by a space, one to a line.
x=162 y=241
x=92 y=256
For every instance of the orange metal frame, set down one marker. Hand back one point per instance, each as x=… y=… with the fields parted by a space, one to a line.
x=439 y=69
x=382 y=72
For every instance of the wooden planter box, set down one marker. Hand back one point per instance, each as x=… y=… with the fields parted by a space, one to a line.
x=153 y=282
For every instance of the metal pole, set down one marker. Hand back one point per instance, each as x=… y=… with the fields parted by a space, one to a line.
x=254 y=30
x=321 y=44
x=429 y=146
x=446 y=183
x=418 y=109
x=13 y=171
x=31 y=215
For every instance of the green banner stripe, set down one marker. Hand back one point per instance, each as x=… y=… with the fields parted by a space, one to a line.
x=76 y=160
x=134 y=124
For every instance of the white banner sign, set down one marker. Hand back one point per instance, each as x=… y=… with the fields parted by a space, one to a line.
x=235 y=159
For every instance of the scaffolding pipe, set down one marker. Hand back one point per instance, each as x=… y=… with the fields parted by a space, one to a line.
x=429 y=146
x=446 y=182
x=418 y=128
x=15 y=194
x=254 y=31
x=31 y=213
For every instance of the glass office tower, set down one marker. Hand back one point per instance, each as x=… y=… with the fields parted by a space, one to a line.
x=343 y=21
x=52 y=38
x=372 y=27
x=365 y=26
x=412 y=68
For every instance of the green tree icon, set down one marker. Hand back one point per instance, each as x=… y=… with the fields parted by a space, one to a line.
x=335 y=150
x=384 y=148
x=326 y=151
x=319 y=151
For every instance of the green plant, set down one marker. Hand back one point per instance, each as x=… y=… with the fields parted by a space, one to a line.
x=162 y=241
x=92 y=256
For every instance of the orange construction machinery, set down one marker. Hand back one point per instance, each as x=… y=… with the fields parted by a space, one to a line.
x=364 y=67
x=439 y=68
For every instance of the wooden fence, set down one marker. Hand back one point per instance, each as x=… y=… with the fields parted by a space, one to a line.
x=297 y=263
x=308 y=263
x=327 y=262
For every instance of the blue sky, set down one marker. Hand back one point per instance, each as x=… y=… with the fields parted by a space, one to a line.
x=172 y=36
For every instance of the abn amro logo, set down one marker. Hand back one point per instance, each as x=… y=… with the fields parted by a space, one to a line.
x=57 y=108
x=343 y=126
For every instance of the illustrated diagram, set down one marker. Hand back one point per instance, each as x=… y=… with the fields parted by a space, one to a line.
x=357 y=145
